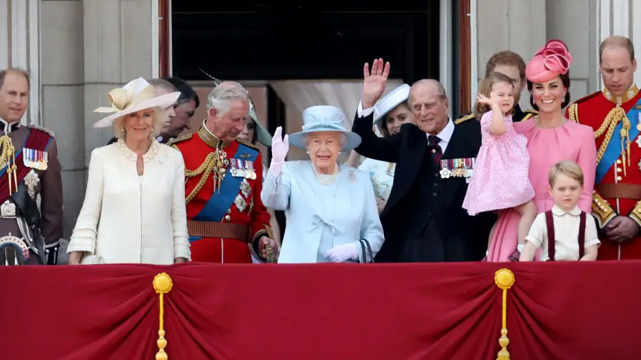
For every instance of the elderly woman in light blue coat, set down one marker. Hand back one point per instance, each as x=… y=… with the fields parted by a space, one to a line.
x=329 y=207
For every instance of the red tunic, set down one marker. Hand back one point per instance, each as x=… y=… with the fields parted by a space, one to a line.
x=236 y=200
x=618 y=175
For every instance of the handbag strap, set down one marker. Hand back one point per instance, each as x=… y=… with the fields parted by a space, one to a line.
x=366 y=250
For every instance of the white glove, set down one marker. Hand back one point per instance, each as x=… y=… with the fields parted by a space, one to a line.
x=342 y=253
x=280 y=147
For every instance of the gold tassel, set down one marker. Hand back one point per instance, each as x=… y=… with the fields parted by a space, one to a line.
x=504 y=279
x=270 y=254
x=162 y=285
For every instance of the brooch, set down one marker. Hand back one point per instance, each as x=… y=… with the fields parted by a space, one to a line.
x=352 y=176
x=240 y=202
x=245 y=188
x=31 y=180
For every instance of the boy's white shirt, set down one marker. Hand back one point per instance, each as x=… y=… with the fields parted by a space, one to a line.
x=566 y=232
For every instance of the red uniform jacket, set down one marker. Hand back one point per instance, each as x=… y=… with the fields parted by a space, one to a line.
x=223 y=182
x=618 y=178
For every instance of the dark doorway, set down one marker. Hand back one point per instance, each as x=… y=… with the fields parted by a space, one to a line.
x=278 y=40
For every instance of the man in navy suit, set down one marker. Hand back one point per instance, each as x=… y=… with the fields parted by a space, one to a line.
x=424 y=220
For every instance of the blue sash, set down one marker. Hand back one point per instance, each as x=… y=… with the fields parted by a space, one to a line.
x=220 y=201
x=613 y=151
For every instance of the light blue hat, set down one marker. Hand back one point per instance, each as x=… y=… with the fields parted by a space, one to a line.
x=391 y=101
x=324 y=118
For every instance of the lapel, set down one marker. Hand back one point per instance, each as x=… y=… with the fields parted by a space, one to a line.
x=413 y=148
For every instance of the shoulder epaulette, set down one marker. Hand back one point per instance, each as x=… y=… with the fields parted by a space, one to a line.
x=45 y=130
x=248 y=144
x=464 y=118
x=573 y=109
x=529 y=113
x=588 y=97
x=180 y=138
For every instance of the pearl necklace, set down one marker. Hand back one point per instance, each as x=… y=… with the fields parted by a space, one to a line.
x=325 y=179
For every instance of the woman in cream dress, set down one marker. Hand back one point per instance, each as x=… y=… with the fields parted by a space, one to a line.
x=390 y=113
x=134 y=208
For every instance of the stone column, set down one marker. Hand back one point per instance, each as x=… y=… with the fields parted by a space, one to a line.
x=117 y=48
x=519 y=26
x=88 y=48
x=19 y=46
x=616 y=17
x=574 y=22
x=63 y=96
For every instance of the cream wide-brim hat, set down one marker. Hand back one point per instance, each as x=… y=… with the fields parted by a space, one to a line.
x=390 y=102
x=136 y=96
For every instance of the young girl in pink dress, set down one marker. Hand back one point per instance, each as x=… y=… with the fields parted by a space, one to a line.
x=500 y=178
x=551 y=138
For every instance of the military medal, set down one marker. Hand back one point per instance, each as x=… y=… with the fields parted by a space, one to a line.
x=251 y=173
x=237 y=168
x=463 y=167
x=245 y=188
x=35 y=159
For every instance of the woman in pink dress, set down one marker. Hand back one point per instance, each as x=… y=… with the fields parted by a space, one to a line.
x=551 y=138
x=500 y=180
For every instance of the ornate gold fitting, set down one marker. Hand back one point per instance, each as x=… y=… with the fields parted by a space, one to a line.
x=573 y=113
x=602 y=211
x=636 y=213
x=162 y=285
x=504 y=279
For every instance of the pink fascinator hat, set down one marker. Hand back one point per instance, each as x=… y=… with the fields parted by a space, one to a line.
x=550 y=61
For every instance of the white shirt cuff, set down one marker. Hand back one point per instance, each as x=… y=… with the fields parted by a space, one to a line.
x=364 y=112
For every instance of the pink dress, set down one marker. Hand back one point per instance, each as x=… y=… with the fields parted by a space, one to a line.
x=570 y=141
x=500 y=178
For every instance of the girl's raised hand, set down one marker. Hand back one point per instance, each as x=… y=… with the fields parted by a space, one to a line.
x=484 y=99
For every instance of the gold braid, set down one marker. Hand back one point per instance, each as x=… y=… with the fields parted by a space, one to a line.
x=611 y=121
x=8 y=159
x=205 y=168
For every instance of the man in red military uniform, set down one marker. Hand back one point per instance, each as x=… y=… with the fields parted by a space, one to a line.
x=615 y=116
x=223 y=182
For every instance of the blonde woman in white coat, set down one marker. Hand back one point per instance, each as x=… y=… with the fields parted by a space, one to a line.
x=134 y=208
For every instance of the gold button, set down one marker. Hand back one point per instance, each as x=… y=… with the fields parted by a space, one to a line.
x=619 y=169
x=619 y=178
x=227 y=217
x=618 y=161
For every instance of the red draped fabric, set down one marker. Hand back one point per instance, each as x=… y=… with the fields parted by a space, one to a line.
x=562 y=310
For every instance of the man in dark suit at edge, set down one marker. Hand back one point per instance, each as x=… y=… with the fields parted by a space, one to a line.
x=423 y=219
